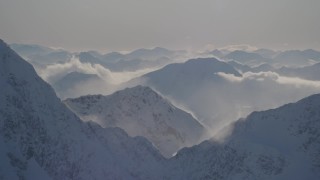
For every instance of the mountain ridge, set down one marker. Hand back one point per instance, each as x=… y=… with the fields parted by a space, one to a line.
x=39 y=132
x=42 y=138
x=140 y=111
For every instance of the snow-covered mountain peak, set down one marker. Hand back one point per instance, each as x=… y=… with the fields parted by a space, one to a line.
x=140 y=111
x=195 y=70
x=211 y=65
x=142 y=93
x=138 y=90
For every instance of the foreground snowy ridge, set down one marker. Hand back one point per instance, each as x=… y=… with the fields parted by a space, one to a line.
x=41 y=139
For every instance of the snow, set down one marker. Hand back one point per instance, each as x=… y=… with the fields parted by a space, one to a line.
x=39 y=132
x=140 y=111
x=41 y=138
x=282 y=143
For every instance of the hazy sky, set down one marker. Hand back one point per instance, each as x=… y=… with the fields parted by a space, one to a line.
x=179 y=24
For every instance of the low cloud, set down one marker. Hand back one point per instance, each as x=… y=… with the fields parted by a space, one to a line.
x=112 y=80
x=54 y=72
x=240 y=47
x=219 y=103
x=270 y=76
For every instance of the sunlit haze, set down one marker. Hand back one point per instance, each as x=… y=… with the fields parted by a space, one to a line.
x=117 y=25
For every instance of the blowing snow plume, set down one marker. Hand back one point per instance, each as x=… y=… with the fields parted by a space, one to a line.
x=236 y=97
x=217 y=94
x=140 y=111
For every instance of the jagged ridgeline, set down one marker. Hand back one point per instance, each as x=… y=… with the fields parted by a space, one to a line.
x=140 y=111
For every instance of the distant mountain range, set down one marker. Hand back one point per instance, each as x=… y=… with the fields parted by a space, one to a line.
x=41 y=56
x=290 y=58
x=217 y=93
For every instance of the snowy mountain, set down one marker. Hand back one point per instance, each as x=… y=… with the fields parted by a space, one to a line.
x=217 y=94
x=267 y=53
x=57 y=56
x=150 y=54
x=113 y=56
x=265 y=67
x=70 y=84
x=282 y=143
x=216 y=53
x=87 y=57
x=41 y=56
x=297 y=58
x=137 y=64
x=41 y=139
x=311 y=72
x=182 y=77
x=139 y=59
x=195 y=85
x=248 y=58
x=142 y=112
x=30 y=49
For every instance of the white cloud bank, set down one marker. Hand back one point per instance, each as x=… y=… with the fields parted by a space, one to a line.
x=221 y=102
x=239 y=47
x=54 y=72
x=112 y=81
x=270 y=77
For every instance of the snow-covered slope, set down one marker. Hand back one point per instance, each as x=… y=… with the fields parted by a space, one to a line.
x=41 y=138
x=282 y=143
x=141 y=112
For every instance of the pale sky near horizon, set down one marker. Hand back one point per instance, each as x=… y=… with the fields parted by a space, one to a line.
x=113 y=25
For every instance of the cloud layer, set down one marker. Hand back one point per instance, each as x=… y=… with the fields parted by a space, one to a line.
x=109 y=83
x=271 y=77
x=54 y=72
